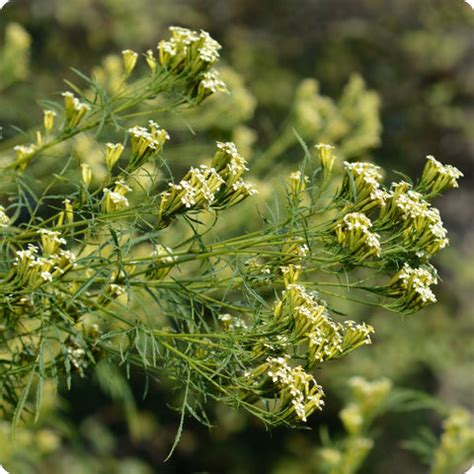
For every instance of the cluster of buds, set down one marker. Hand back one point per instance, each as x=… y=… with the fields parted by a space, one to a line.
x=4 y=219
x=353 y=233
x=146 y=142
x=290 y=273
x=231 y=165
x=209 y=84
x=297 y=392
x=308 y=319
x=437 y=178
x=24 y=153
x=189 y=52
x=421 y=224
x=51 y=241
x=33 y=270
x=362 y=185
x=197 y=190
x=365 y=403
x=115 y=200
x=74 y=110
x=412 y=288
x=218 y=186
x=299 y=309
x=294 y=251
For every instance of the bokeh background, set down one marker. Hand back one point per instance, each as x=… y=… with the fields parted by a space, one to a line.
x=387 y=80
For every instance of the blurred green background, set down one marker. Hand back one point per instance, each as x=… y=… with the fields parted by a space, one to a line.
x=288 y=63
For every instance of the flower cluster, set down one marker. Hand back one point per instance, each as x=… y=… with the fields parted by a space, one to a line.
x=196 y=190
x=74 y=110
x=232 y=323
x=218 y=186
x=188 y=51
x=362 y=185
x=437 y=178
x=191 y=54
x=4 y=219
x=24 y=153
x=299 y=328
x=420 y=223
x=309 y=320
x=231 y=165
x=353 y=233
x=294 y=250
x=32 y=269
x=77 y=357
x=115 y=200
x=146 y=142
x=412 y=287
x=210 y=84
x=298 y=393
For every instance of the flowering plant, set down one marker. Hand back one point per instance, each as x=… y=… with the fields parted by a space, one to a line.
x=138 y=269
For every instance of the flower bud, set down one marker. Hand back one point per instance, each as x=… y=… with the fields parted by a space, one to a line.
x=113 y=151
x=69 y=213
x=297 y=185
x=129 y=60
x=150 y=60
x=326 y=159
x=115 y=200
x=48 y=120
x=86 y=174
x=74 y=110
x=353 y=233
